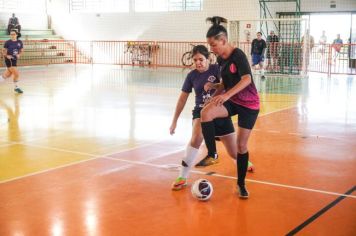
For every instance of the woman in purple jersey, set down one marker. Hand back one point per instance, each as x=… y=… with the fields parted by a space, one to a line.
x=240 y=97
x=196 y=80
x=12 y=51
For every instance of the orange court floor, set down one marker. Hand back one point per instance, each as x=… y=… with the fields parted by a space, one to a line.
x=86 y=150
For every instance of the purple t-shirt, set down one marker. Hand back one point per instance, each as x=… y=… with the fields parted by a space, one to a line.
x=13 y=47
x=196 y=80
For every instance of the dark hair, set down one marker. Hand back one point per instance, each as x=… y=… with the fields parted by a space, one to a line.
x=18 y=34
x=216 y=30
x=202 y=50
x=259 y=33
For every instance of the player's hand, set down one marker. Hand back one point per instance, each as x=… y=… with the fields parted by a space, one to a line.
x=219 y=100
x=9 y=57
x=172 y=128
x=18 y=56
x=207 y=101
x=208 y=86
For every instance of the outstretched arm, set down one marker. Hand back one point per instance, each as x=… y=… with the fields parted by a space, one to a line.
x=179 y=108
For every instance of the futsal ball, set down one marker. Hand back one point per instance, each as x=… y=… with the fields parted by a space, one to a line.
x=202 y=189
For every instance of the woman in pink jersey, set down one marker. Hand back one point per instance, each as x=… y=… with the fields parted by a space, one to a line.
x=240 y=97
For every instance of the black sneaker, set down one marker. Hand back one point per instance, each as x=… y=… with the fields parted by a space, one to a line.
x=208 y=161
x=18 y=90
x=243 y=193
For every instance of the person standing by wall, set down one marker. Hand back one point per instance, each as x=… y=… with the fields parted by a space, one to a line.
x=258 y=49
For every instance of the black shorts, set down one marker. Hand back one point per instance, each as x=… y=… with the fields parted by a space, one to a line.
x=246 y=116
x=10 y=62
x=223 y=126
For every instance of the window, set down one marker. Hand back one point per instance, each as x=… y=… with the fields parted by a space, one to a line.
x=22 y=6
x=176 y=5
x=98 y=6
x=167 y=5
x=193 y=5
x=151 y=5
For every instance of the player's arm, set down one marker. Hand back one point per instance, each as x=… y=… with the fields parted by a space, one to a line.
x=246 y=79
x=4 y=53
x=20 y=53
x=182 y=100
x=243 y=83
x=5 y=49
x=213 y=86
x=264 y=48
x=252 y=47
x=219 y=89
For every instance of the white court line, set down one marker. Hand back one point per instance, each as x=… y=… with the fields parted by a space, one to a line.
x=234 y=178
x=7 y=144
x=274 y=131
x=271 y=112
x=107 y=156
x=297 y=134
x=284 y=185
x=32 y=140
x=94 y=157
x=46 y=170
x=303 y=135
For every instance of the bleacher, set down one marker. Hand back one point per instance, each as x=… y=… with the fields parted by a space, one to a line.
x=30 y=34
x=43 y=47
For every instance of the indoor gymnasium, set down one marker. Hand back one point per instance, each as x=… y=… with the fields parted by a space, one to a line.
x=177 y=117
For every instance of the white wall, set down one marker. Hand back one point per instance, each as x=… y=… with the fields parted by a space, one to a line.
x=314 y=6
x=182 y=26
x=27 y=20
x=31 y=13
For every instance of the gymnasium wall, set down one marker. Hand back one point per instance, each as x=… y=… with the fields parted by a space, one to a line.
x=27 y=20
x=182 y=26
x=31 y=13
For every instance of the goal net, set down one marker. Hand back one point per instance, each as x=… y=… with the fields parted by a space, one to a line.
x=288 y=42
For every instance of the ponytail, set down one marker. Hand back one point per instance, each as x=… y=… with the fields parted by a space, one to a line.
x=216 y=30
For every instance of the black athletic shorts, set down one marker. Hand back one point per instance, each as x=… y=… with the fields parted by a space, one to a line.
x=246 y=117
x=223 y=126
x=10 y=62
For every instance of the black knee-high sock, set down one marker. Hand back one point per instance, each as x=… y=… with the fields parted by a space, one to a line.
x=242 y=163
x=208 y=130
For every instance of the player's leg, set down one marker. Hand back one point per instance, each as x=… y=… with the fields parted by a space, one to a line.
x=208 y=114
x=247 y=118
x=7 y=73
x=16 y=76
x=261 y=65
x=255 y=61
x=190 y=155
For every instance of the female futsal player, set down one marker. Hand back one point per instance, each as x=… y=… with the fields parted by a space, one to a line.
x=12 y=51
x=240 y=97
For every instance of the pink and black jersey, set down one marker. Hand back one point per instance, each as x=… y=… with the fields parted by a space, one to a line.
x=232 y=69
